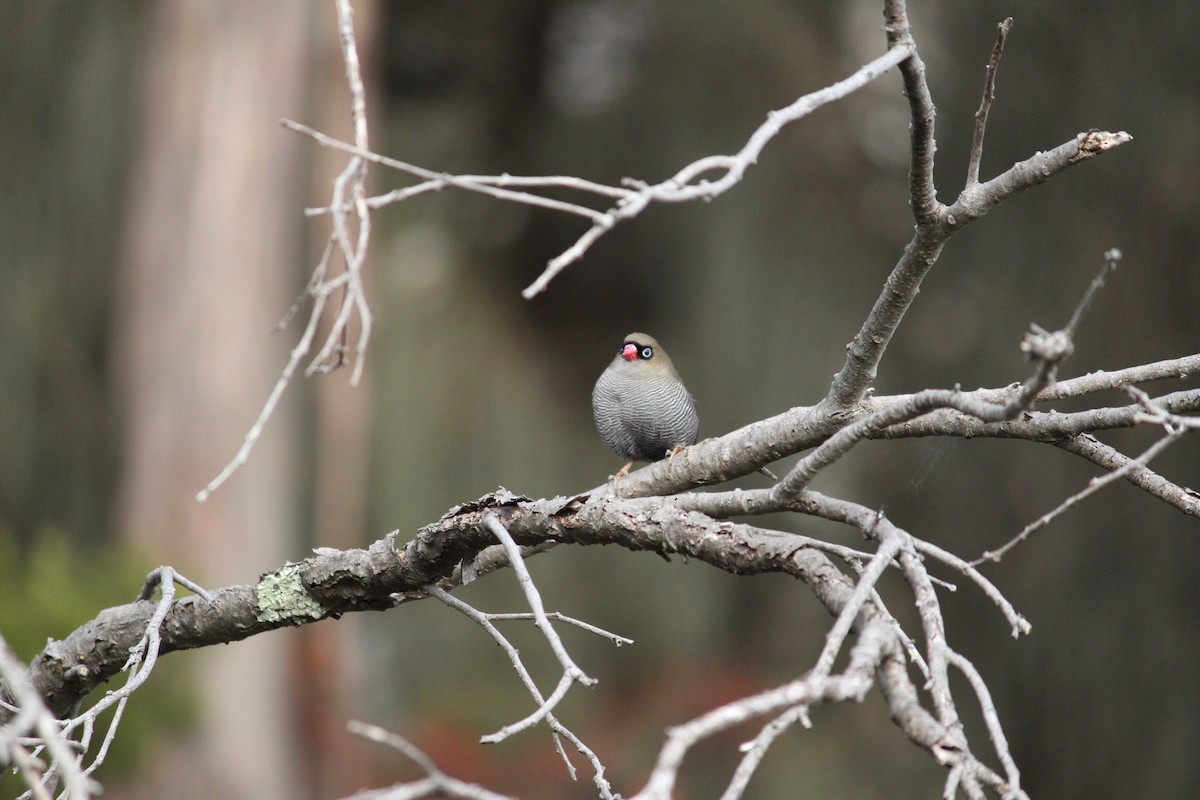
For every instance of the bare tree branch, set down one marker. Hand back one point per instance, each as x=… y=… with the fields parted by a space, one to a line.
x=740 y=452
x=936 y=222
x=866 y=349
x=659 y=510
x=1094 y=485
x=435 y=784
x=352 y=182
x=757 y=749
x=29 y=715
x=922 y=191
x=1185 y=499
x=985 y=103
x=1180 y=368
x=349 y=197
x=686 y=185
x=571 y=673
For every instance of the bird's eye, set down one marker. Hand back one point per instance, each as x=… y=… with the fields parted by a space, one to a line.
x=646 y=352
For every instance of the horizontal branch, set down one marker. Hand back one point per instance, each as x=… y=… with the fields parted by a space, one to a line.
x=1039 y=426
x=743 y=451
x=333 y=582
x=1100 y=380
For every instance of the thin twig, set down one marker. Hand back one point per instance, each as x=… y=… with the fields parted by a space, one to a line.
x=34 y=716
x=285 y=377
x=686 y=185
x=1112 y=257
x=755 y=750
x=142 y=658
x=535 y=600
x=679 y=187
x=1155 y=414
x=436 y=782
x=1019 y=624
x=853 y=684
x=985 y=103
x=491 y=185
x=933 y=624
x=864 y=591
x=514 y=656
x=157 y=577
x=557 y=615
x=992 y=720
x=557 y=728
x=351 y=178
x=350 y=183
x=1094 y=485
x=469 y=182
x=310 y=289
x=1146 y=479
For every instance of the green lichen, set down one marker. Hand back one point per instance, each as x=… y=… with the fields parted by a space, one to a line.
x=281 y=596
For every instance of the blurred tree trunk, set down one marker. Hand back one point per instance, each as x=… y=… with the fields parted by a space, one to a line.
x=209 y=264
x=327 y=659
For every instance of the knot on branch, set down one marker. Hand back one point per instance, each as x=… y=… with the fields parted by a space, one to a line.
x=1094 y=142
x=1047 y=347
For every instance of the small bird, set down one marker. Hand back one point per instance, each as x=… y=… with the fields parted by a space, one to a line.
x=642 y=409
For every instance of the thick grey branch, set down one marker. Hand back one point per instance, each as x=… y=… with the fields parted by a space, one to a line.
x=335 y=582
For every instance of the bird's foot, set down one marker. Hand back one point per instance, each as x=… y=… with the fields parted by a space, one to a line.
x=674 y=451
x=616 y=479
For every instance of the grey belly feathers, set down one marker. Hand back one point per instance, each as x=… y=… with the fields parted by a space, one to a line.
x=641 y=417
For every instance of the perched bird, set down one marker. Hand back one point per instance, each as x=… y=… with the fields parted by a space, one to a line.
x=642 y=409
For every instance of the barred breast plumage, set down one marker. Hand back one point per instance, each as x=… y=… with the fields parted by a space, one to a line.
x=642 y=409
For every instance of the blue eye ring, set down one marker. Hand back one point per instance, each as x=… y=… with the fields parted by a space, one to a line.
x=646 y=353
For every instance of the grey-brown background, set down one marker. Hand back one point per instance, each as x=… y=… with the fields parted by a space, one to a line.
x=151 y=231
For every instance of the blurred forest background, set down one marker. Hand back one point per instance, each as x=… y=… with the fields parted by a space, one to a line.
x=152 y=232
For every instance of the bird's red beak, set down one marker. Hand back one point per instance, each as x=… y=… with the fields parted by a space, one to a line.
x=629 y=352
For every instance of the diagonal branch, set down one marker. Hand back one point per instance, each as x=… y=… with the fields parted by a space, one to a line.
x=688 y=184
x=936 y=222
x=436 y=782
x=349 y=197
x=853 y=684
x=30 y=716
x=545 y=706
x=1175 y=426
x=866 y=349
